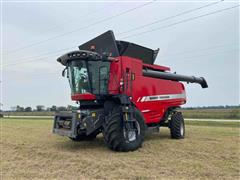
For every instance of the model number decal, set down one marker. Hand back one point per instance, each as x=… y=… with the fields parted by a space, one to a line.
x=161 y=97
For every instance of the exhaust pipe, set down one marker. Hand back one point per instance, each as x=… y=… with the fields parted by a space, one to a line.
x=175 y=77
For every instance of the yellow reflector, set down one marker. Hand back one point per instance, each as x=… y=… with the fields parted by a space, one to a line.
x=93 y=114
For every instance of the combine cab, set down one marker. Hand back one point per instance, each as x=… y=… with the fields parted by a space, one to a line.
x=121 y=93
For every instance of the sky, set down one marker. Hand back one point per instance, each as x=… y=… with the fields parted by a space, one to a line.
x=35 y=33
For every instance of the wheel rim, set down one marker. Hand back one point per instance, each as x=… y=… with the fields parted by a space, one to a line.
x=131 y=134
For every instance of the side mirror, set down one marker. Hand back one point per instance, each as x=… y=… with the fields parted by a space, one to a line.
x=64 y=72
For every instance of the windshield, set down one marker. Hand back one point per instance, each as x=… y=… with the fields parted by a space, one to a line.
x=88 y=76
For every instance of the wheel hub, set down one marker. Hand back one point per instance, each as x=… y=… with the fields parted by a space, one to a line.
x=131 y=130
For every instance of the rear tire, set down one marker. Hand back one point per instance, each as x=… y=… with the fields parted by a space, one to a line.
x=177 y=127
x=117 y=136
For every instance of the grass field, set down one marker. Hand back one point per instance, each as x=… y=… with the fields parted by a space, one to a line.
x=30 y=151
x=231 y=113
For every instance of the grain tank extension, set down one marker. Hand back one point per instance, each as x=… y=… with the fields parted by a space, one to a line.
x=121 y=93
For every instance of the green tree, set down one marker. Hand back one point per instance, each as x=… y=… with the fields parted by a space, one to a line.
x=40 y=108
x=19 y=108
x=28 y=109
x=53 y=108
x=61 y=108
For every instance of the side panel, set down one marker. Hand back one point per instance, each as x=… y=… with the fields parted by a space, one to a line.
x=152 y=96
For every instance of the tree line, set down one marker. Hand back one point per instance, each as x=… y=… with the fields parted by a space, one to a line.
x=214 y=107
x=54 y=108
x=42 y=108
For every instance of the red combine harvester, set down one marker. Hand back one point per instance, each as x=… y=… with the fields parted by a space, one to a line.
x=121 y=94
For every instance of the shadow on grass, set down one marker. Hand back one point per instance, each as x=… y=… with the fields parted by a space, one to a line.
x=68 y=144
x=157 y=136
x=99 y=143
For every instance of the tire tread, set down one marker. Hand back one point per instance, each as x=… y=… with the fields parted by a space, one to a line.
x=175 y=126
x=112 y=132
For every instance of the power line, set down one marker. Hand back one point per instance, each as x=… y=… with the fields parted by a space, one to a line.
x=165 y=58
x=179 y=22
x=170 y=17
x=111 y=1
x=208 y=54
x=81 y=28
x=186 y=20
x=30 y=61
x=26 y=61
x=73 y=20
x=167 y=18
x=194 y=50
x=39 y=58
x=183 y=59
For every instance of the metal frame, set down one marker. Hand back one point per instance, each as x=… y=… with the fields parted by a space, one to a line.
x=64 y=132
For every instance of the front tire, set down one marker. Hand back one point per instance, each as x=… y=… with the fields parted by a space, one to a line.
x=177 y=126
x=117 y=134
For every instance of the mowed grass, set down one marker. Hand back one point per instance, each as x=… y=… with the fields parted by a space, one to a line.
x=231 y=113
x=30 y=150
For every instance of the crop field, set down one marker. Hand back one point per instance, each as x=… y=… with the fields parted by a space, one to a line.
x=30 y=150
